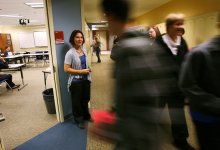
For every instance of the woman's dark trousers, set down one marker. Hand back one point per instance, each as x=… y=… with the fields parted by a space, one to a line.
x=80 y=95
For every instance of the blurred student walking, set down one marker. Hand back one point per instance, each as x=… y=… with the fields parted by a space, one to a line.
x=143 y=74
x=199 y=80
x=174 y=45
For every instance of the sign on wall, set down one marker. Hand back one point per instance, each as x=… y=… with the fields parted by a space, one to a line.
x=59 y=37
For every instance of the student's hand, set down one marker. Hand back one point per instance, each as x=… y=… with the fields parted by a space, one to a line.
x=85 y=71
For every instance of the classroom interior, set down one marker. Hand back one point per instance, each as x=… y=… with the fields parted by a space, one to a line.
x=25 y=109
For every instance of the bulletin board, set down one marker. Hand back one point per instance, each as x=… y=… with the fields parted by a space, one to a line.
x=26 y=40
x=40 y=38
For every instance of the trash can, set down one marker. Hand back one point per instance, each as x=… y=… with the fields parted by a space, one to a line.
x=49 y=101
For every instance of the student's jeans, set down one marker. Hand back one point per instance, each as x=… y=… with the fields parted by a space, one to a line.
x=98 y=55
x=208 y=135
x=175 y=106
x=9 y=79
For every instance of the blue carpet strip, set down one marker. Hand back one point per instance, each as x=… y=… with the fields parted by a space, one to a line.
x=63 y=136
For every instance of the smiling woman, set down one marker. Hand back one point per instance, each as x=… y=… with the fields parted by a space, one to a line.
x=76 y=65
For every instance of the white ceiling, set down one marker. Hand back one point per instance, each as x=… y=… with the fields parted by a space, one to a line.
x=91 y=10
x=18 y=8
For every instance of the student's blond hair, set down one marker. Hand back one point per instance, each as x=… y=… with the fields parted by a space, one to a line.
x=174 y=17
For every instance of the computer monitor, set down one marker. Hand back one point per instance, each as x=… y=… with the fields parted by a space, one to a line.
x=10 y=54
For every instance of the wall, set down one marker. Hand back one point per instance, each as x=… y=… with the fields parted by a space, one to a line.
x=189 y=7
x=88 y=41
x=16 y=30
x=87 y=35
x=200 y=18
x=66 y=17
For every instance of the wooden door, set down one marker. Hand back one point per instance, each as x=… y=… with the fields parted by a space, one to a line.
x=5 y=40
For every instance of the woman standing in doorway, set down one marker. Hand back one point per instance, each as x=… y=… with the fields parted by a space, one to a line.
x=97 y=48
x=76 y=65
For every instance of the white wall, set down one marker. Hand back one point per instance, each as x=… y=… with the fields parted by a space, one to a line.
x=16 y=30
x=111 y=39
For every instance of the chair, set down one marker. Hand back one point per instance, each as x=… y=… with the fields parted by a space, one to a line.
x=46 y=57
x=2 y=118
x=28 y=57
x=19 y=58
x=39 y=58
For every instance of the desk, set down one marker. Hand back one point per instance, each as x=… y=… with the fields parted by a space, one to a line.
x=39 y=56
x=35 y=54
x=25 y=55
x=46 y=72
x=15 y=57
x=16 y=67
x=21 y=55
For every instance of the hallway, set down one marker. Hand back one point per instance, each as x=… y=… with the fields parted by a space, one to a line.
x=102 y=96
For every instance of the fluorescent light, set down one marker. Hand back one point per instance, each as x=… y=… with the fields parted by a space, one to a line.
x=12 y=16
x=100 y=26
x=95 y=28
x=35 y=5
x=32 y=21
x=103 y=21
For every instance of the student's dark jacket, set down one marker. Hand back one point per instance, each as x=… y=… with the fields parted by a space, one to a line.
x=177 y=59
x=200 y=77
x=143 y=73
x=182 y=49
x=3 y=65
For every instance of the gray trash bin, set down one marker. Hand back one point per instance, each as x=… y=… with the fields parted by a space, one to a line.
x=49 y=101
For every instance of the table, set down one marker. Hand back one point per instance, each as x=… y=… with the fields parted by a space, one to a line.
x=26 y=55
x=16 y=67
x=21 y=55
x=35 y=54
x=15 y=57
x=46 y=72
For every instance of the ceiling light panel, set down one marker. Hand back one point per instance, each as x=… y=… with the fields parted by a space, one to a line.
x=12 y=16
x=35 y=5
